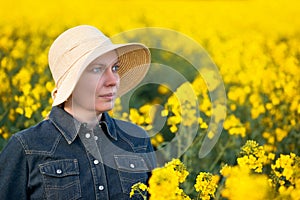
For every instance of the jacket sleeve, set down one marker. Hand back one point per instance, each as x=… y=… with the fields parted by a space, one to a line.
x=13 y=171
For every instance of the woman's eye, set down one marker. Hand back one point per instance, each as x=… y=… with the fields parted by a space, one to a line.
x=97 y=70
x=115 y=68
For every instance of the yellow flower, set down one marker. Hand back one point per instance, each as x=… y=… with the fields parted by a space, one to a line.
x=163 y=89
x=179 y=168
x=204 y=125
x=219 y=112
x=280 y=134
x=143 y=187
x=4 y=133
x=173 y=128
x=234 y=126
x=211 y=79
x=167 y=179
x=163 y=179
x=287 y=169
x=157 y=139
x=206 y=185
x=19 y=111
x=180 y=195
x=28 y=112
x=174 y=120
x=252 y=156
x=164 y=113
x=240 y=183
x=139 y=189
x=135 y=117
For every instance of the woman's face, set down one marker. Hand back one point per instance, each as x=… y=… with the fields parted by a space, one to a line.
x=97 y=87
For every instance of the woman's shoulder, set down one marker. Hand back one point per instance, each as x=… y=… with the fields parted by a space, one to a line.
x=36 y=129
x=41 y=133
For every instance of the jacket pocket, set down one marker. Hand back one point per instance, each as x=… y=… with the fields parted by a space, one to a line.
x=61 y=179
x=131 y=169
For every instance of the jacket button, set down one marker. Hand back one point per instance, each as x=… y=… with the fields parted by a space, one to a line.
x=87 y=135
x=101 y=187
x=96 y=162
x=131 y=166
x=58 y=171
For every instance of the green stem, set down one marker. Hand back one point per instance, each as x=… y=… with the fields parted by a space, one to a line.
x=143 y=195
x=179 y=144
x=198 y=196
x=228 y=143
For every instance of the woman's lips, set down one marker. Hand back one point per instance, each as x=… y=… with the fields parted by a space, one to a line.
x=107 y=96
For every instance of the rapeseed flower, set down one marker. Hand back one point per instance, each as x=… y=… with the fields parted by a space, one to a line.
x=139 y=189
x=286 y=178
x=234 y=126
x=252 y=156
x=179 y=168
x=240 y=183
x=206 y=185
x=168 y=179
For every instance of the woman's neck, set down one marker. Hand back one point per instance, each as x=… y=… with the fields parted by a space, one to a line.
x=83 y=115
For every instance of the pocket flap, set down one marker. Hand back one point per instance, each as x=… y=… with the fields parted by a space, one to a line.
x=131 y=163
x=60 y=168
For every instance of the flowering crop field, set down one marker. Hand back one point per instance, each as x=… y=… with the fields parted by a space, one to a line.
x=255 y=45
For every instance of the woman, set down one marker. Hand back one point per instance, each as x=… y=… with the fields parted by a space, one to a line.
x=80 y=152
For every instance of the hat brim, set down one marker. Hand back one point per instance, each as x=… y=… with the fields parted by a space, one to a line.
x=134 y=61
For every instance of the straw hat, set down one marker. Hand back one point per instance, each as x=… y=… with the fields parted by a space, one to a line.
x=77 y=47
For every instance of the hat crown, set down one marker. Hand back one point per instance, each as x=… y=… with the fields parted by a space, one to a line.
x=71 y=45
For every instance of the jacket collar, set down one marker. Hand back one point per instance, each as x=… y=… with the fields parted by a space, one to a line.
x=70 y=127
x=108 y=125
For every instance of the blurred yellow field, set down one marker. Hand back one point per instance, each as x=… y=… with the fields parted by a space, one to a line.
x=254 y=43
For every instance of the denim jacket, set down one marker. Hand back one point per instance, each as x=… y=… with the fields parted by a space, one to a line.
x=60 y=158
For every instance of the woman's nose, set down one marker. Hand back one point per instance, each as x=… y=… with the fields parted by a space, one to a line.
x=111 y=78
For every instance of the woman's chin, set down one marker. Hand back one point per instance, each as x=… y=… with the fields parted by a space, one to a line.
x=104 y=107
